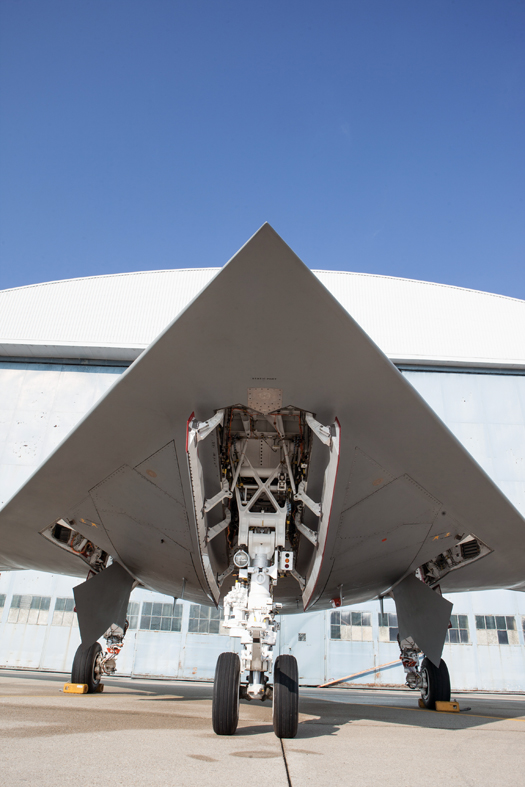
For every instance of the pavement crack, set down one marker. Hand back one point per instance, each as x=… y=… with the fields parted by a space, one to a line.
x=286 y=764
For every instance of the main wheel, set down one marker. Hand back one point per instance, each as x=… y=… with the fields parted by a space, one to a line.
x=225 y=706
x=436 y=683
x=85 y=666
x=285 y=697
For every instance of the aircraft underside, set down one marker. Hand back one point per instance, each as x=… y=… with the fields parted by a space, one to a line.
x=262 y=540
x=265 y=470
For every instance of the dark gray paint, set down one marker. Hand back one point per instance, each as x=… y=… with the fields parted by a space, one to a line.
x=423 y=615
x=102 y=601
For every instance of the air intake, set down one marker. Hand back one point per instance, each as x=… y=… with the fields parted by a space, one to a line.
x=62 y=534
x=470 y=550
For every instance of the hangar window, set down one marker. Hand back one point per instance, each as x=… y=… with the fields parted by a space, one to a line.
x=29 y=609
x=356 y=626
x=161 y=617
x=496 y=630
x=459 y=631
x=132 y=615
x=64 y=614
x=388 y=629
x=204 y=620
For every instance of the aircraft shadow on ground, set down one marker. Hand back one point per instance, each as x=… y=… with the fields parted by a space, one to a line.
x=42 y=721
x=333 y=715
x=328 y=716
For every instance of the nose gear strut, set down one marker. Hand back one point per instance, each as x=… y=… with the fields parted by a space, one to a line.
x=263 y=472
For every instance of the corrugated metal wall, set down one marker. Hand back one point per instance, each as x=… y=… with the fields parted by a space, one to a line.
x=407 y=319
x=50 y=641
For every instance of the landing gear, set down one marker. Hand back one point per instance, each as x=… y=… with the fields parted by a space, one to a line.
x=114 y=637
x=226 y=689
x=436 y=683
x=86 y=667
x=285 y=697
x=264 y=460
x=91 y=663
x=432 y=681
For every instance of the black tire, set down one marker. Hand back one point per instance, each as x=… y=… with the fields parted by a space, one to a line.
x=437 y=683
x=225 y=706
x=84 y=667
x=285 y=697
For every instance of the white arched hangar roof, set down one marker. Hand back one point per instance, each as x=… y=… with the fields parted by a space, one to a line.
x=115 y=317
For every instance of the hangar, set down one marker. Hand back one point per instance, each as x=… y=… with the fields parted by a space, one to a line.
x=63 y=344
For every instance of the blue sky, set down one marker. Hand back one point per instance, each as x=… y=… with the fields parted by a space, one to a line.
x=376 y=136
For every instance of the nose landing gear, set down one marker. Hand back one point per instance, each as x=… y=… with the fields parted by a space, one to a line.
x=226 y=693
x=227 y=690
x=285 y=697
x=264 y=463
x=249 y=614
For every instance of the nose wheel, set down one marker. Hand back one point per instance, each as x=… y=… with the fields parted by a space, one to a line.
x=225 y=705
x=285 y=697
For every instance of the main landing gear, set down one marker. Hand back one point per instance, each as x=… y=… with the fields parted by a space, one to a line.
x=285 y=697
x=86 y=667
x=226 y=694
x=433 y=682
x=91 y=663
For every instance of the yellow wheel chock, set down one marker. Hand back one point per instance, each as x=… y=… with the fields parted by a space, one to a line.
x=443 y=707
x=80 y=688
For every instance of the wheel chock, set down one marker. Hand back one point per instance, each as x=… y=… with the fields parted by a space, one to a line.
x=443 y=707
x=75 y=688
x=447 y=707
x=81 y=688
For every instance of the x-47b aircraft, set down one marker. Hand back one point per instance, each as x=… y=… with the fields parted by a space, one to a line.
x=264 y=455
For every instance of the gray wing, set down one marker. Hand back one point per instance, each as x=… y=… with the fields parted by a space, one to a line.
x=405 y=488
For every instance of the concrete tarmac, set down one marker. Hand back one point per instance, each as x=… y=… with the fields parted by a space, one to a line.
x=153 y=732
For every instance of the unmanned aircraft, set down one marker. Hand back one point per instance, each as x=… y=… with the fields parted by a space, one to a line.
x=263 y=455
